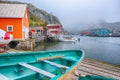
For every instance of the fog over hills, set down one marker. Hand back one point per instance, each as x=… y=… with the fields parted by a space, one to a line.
x=75 y=17
x=109 y=25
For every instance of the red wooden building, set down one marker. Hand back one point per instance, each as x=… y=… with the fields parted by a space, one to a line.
x=14 y=20
x=54 y=29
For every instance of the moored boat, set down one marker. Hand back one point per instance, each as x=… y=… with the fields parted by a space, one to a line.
x=47 y=65
x=5 y=37
x=67 y=38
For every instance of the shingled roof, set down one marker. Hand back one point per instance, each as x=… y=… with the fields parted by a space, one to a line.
x=12 y=10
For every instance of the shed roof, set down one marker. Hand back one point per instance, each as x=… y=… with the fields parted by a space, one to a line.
x=12 y=10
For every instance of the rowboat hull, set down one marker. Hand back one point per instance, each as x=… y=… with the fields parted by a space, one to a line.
x=95 y=77
x=48 y=65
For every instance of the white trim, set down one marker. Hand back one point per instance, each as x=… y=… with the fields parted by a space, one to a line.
x=22 y=27
x=26 y=16
x=16 y=39
x=11 y=27
x=54 y=25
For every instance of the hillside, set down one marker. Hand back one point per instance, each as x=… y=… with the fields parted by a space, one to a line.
x=113 y=27
x=37 y=16
x=41 y=16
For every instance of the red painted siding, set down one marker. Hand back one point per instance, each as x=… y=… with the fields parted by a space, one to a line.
x=17 y=26
x=54 y=29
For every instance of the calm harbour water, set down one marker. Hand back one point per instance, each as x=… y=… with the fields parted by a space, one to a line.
x=106 y=49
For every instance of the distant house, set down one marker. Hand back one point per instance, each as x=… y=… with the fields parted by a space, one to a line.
x=14 y=19
x=100 y=32
x=85 y=33
x=54 y=29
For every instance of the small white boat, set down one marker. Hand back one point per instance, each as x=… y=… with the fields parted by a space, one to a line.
x=5 y=37
x=67 y=38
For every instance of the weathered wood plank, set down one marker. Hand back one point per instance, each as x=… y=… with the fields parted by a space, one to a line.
x=97 y=72
x=100 y=69
x=111 y=68
x=51 y=57
x=94 y=62
x=90 y=67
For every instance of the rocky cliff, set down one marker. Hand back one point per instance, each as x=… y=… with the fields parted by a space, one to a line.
x=42 y=14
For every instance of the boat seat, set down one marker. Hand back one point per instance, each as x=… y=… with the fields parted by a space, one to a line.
x=50 y=75
x=70 y=58
x=2 y=77
x=55 y=64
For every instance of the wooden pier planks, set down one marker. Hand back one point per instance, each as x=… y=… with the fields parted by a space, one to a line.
x=90 y=66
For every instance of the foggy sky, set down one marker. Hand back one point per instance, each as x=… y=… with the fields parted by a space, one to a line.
x=75 y=14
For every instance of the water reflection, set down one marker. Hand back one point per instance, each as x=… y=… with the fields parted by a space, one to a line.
x=101 y=48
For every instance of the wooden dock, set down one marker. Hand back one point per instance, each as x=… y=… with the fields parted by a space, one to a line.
x=95 y=67
x=26 y=45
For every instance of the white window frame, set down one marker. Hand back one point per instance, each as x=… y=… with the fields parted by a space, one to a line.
x=11 y=27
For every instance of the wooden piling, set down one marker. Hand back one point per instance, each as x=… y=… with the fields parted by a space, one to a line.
x=26 y=45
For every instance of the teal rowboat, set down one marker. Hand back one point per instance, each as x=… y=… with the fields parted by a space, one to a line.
x=46 y=65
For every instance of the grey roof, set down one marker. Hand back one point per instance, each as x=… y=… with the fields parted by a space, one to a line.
x=12 y=10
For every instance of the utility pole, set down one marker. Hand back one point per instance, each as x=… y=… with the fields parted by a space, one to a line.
x=51 y=18
x=33 y=22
